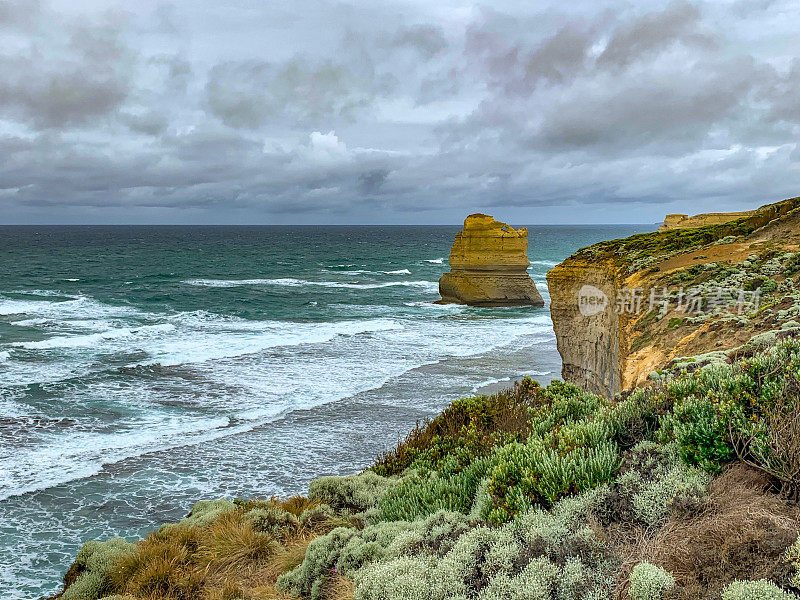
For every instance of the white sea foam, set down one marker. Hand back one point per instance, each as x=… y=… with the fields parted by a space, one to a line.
x=490 y=381
x=77 y=307
x=436 y=261
x=82 y=341
x=437 y=307
x=229 y=339
x=31 y=322
x=24 y=307
x=47 y=293
x=398 y=272
x=81 y=455
x=350 y=272
x=4 y=356
x=292 y=282
x=545 y=263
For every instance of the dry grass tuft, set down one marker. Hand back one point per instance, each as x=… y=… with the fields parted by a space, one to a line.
x=290 y=556
x=337 y=587
x=296 y=505
x=742 y=534
x=234 y=544
x=225 y=560
x=161 y=565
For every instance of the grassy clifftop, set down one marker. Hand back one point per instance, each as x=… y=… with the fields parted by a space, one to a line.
x=684 y=489
x=642 y=247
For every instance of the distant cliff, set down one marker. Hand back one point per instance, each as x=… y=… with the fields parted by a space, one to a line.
x=626 y=308
x=488 y=266
x=680 y=221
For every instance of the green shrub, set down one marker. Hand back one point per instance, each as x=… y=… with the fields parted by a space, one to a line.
x=271 y=520
x=354 y=493
x=653 y=484
x=755 y=590
x=531 y=474
x=574 y=446
x=469 y=427
x=748 y=409
x=452 y=489
x=649 y=582
x=792 y=264
x=701 y=433
x=205 y=512
x=94 y=565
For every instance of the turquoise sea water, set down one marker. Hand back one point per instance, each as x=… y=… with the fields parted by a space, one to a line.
x=145 y=368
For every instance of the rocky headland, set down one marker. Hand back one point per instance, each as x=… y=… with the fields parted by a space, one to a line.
x=488 y=266
x=683 y=221
x=679 y=292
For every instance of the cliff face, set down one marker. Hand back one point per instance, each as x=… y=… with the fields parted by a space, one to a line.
x=680 y=221
x=626 y=308
x=488 y=266
x=581 y=294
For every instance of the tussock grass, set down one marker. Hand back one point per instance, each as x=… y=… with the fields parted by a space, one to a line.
x=227 y=557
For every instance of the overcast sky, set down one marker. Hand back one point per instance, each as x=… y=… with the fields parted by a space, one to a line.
x=315 y=111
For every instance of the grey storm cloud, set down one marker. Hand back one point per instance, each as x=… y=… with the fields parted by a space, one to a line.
x=395 y=111
x=428 y=40
x=654 y=31
x=250 y=93
x=80 y=73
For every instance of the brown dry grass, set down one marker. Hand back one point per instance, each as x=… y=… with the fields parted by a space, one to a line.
x=742 y=533
x=781 y=457
x=338 y=588
x=225 y=560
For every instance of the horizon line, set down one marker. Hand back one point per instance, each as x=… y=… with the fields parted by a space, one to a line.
x=295 y=224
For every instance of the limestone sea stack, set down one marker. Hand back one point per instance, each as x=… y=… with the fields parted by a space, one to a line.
x=488 y=266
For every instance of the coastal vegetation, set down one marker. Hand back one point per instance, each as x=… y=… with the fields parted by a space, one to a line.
x=685 y=488
x=635 y=251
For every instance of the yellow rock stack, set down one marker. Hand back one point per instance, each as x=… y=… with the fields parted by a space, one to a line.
x=488 y=266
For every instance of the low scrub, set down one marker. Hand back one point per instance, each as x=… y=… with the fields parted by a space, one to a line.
x=535 y=493
x=222 y=550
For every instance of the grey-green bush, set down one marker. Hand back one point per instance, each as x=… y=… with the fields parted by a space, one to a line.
x=271 y=520
x=649 y=582
x=355 y=493
x=755 y=590
x=95 y=561
x=654 y=482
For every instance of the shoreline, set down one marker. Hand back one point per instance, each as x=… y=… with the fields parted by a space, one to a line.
x=354 y=420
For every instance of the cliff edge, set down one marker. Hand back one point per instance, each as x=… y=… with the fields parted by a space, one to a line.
x=488 y=266
x=681 y=221
x=624 y=310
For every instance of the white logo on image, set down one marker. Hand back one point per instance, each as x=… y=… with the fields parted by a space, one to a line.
x=591 y=300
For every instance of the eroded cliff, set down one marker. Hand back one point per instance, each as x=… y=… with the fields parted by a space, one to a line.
x=488 y=266
x=681 y=221
x=623 y=310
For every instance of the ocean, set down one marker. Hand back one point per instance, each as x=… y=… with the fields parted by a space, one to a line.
x=145 y=368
